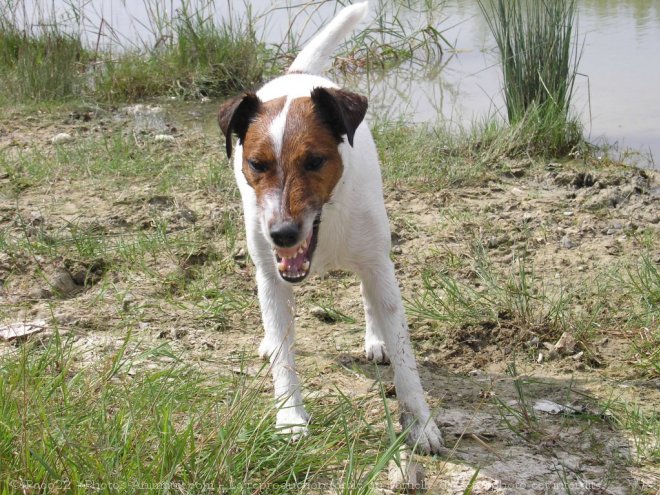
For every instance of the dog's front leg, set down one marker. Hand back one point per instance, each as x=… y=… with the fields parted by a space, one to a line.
x=278 y=310
x=383 y=303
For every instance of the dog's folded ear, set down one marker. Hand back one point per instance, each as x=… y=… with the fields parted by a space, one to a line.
x=235 y=116
x=341 y=110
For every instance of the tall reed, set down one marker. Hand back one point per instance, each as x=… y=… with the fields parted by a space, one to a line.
x=537 y=42
x=41 y=63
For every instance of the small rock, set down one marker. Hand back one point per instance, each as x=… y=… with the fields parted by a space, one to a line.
x=552 y=352
x=578 y=356
x=568 y=213
x=540 y=358
x=141 y=109
x=322 y=314
x=163 y=138
x=62 y=138
x=548 y=406
x=63 y=283
x=566 y=243
x=18 y=330
x=396 y=250
x=566 y=344
x=35 y=219
x=407 y=478
x=240 y=254
x=128 y=300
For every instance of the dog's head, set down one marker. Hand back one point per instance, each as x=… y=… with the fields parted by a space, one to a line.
x=291 y=159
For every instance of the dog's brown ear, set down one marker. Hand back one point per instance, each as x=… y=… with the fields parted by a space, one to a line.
x=341 y=110
x=235 y=116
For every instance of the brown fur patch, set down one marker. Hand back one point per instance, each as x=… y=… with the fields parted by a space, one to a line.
x=305 y=138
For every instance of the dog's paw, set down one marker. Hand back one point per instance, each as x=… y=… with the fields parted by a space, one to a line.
x=423 y=436
x=376 y=352
x=293 y=422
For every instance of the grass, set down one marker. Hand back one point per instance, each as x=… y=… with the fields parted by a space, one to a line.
x=472 y=292
x=143 y=417
x=537 y=43
x=391 y=41
x=519 y=298
x=190 y=56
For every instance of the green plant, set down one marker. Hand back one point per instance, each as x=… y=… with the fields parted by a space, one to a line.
x=539 y=54
x=142 y=417
x=46 y=64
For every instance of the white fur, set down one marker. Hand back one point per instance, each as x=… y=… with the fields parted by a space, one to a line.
x=277 y=127
x=354 y=235
x=315 y=56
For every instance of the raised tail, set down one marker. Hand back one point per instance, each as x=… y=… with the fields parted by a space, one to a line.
x=316 y=55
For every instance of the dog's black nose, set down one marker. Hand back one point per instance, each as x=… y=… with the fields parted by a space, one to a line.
x=285 y=234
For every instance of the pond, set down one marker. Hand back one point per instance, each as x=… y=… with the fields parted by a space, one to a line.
x=617 y=94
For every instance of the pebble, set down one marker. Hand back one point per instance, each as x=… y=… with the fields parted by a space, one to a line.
x=566 y=243
x=566 y=344
x=322 y=314
x=62 y=282
x=163 y=138
x=141 y=109
x=62 y=138
x=129 y=299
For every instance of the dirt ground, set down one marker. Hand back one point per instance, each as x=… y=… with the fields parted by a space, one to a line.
x=572 y=223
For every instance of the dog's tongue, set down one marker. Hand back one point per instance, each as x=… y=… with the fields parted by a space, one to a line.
x=293 y=264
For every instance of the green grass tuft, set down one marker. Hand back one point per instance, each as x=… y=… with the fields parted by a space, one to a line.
x=539 y=53
x=143 y=416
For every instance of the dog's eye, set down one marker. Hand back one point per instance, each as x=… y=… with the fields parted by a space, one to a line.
x=257 y=166
x=314 y=163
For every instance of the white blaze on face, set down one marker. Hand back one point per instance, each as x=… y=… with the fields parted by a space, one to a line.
x=272 y=204
x=271 y=210
x=276 y=129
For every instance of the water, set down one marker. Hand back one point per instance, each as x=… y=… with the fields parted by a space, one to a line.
x=617 y=98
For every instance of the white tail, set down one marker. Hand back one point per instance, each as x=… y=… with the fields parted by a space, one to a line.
x=316 y=55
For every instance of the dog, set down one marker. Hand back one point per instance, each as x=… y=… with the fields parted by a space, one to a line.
x=308 y=172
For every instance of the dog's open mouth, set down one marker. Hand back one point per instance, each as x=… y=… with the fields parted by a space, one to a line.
x=294 y=263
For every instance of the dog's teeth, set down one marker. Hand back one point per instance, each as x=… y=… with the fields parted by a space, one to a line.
x=304 y=244
x=305 y=266
x=281 y=266
x=301 y=250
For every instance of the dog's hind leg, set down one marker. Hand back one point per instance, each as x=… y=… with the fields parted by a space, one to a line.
x=278 y=310
x=383 y=299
